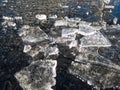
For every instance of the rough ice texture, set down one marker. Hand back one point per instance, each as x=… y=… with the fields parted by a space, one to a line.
x=32 y=34
x=38 y=76
x=95 y=40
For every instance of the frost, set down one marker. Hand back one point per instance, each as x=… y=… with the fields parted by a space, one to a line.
x=95 y=40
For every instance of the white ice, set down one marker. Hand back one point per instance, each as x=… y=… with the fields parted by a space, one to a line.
x=95 y=40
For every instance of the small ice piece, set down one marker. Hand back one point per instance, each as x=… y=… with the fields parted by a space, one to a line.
x=7 y=18
x=86 y=29
x=32 y=34
x=69 y=33
x=11 y=24
x=87 y=13
x=18 y=18
x=73 y=43
x=95 y=40
x=60 y=23
x=106 y=1
x=4 y=1
x=109 y=6
x=27 y=48
x=50 y=51
x=79 y=7
x=115 y=20
x=53 y=16
x=40 y=75
x=41 y=17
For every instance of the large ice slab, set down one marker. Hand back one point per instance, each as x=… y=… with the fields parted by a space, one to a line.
x=95 y=40
x=32 y=34
x=38 y=76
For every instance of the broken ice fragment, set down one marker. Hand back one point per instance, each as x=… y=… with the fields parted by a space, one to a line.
x=60 y=23
x=53 y=16
x=85 y=29
x=106 y=1
x=95 y=40
x=72 y=44
x=41 y=17
x=69 y=33
x=115 y=20
x=40 y=75
x=32 y=34
x=51 y=51
x=27 y=48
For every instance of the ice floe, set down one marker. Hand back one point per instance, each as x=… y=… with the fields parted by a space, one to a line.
x=95 y=40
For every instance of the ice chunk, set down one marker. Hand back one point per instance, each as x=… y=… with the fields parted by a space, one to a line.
x=40 y=75
x=32 y=34
x=85 y=29
x=51 y=51
x=27 y=48
x=69 y=33
x=41 y=17
x=53 y=16
x=95 y=40
x=11 y=24
x=73 y=43
x=106 y=1
x=7 y=18
x=61 y=23
x=115 y=20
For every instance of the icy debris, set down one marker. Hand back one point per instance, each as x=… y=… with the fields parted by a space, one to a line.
x=36 y=50
x=73 y=43
x=7 y=18
x=85 y=29
x=106 y=1
x=115 y=20
x=60 y=23
x=50 y=51
x=78 y=7
x=4 y=1
x=95 y=40
x=109 y=6
x=41 y=17
x=32 y=34
x=40 y=75
x=27 y=48
x=18 y=18
x=11 y=24
x=53 y=16
x=69 y=33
